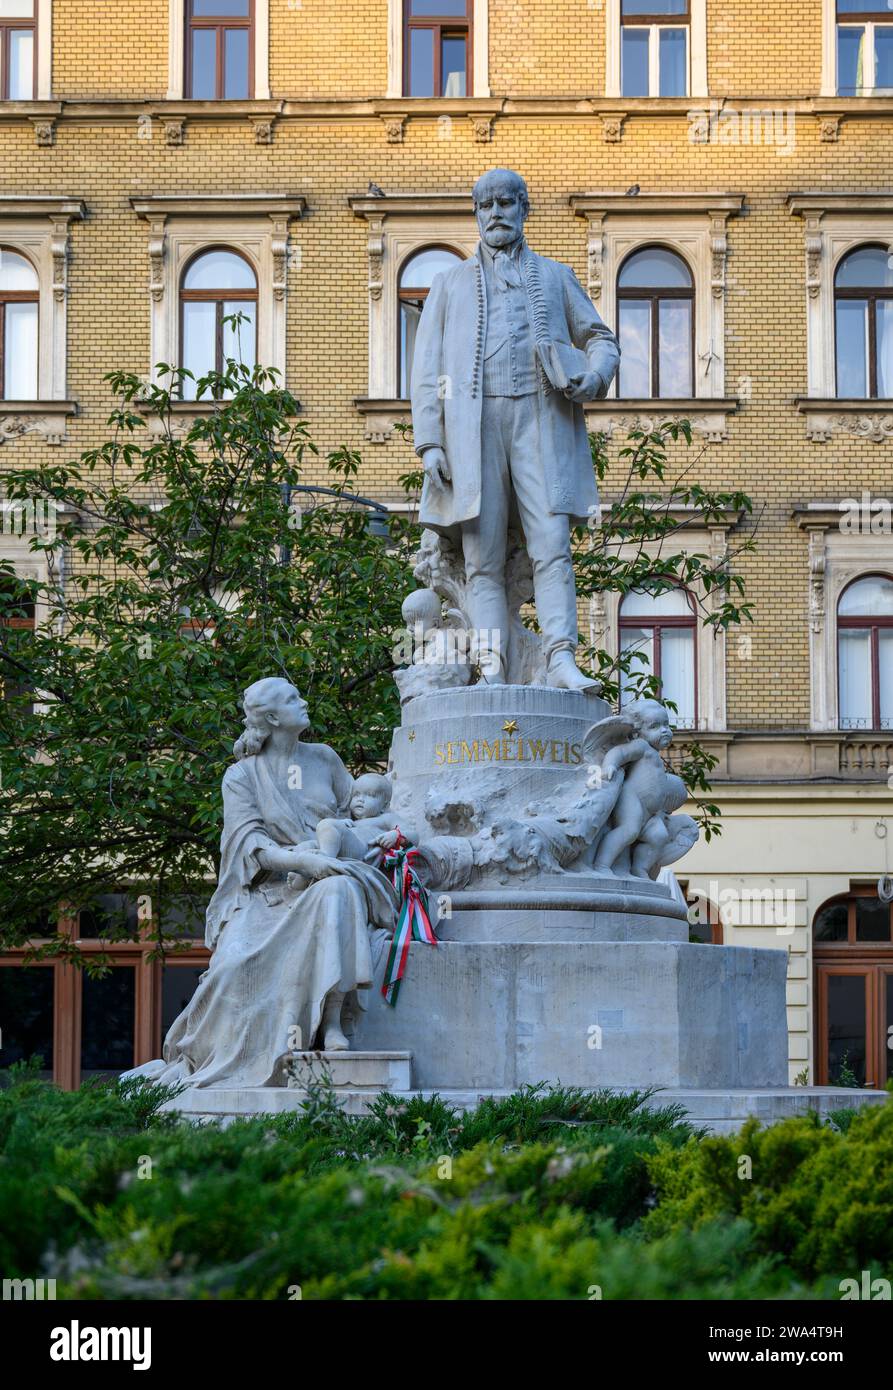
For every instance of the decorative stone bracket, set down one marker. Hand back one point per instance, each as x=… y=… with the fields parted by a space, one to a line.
x=612 y=126
x=706 y=417
x=858 y=419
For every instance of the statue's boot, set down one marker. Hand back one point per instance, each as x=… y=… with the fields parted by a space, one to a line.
x=333 y=1039
x=564 y=673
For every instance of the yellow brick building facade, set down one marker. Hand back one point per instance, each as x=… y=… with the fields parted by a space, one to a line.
x=761 y=175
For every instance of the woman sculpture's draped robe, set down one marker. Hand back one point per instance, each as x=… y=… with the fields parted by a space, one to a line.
x=277 y=953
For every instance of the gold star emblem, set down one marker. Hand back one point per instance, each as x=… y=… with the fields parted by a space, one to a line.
x=411 y=735
x=510 y=726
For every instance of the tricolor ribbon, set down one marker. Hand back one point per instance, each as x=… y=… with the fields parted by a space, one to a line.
x=413 y=919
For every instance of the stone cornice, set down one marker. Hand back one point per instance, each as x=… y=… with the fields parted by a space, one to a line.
x=218 y=205
x=29 y=205
x=836 y=200
x=583 y=106
x=608 y=201
x=817 y=516
x=411 y=204
x=792 y=757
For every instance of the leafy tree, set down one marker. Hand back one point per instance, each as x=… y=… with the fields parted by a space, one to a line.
x=185 y=564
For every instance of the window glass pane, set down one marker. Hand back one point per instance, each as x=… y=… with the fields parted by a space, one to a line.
x=673 y=76
x=883 y=57
x=235 y=71
x=846 y=1027
x=871 y=597
x=183 y=920
x=220 y=9
x=107 y=1022
x=872 y=920
x=634 y=328
x=850 y=60
x=854 y=663
x=642 y=604
x=677 y=673
x=851 y=317
x=178 y=984
x=867 y=268
x=884 y=343
x=20 y=353
x=641 y=641
x=633 y=7
x=419 y=271
x=863 y=6
x=26 y=1015
x=16 y=9
x=16 y=273
x=885 y=676
x=831 y=923
x=453 y=66
x=21 y=64
x=204 y=64
x=112 y=917
x=410 y=313
x=674 y=346
x=199 y=329
x=426 y=8
x=654 y=268
x=219 y=270
x=240 y=340
x=421 y=62
x=634 y=61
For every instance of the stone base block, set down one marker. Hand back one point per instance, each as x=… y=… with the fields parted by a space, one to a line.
x=498 y=1015
x=717 y=1111
x=375 y=1071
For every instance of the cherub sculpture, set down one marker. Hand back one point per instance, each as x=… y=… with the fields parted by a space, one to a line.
x=641 y=834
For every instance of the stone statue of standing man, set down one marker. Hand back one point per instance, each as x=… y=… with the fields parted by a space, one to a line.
x=509 y=347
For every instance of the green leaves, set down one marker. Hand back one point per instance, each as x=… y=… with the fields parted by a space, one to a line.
x=184 y=566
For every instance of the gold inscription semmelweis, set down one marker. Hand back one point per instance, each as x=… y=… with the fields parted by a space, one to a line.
x=507 y=750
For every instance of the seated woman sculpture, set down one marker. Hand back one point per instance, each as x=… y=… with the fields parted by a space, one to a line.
x=289 y=968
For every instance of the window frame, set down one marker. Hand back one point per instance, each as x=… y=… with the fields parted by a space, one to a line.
x=219 y=298
x=869 y=20
x=872 y=294
x=6 y=27
x=139 y=953
x=410 y=294
x=444 y=26
x=653 y=23
x=873 y=960
x=678 y=621
x=653 y=297
x=873 y=624
x=18 y=297
x=219 y=24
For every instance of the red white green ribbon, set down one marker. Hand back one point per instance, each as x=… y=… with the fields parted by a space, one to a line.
x=413 y=919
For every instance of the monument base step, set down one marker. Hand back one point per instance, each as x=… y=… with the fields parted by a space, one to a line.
x=718 y=1111
x=362 y=1071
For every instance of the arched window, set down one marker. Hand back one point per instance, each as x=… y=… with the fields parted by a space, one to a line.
x=853 y=953
x=661 y=628
x=18 y=327
x=655 y=314
x=219 y=43
x=416 y=277
x=216 y=285
x=863 y=313
x=865 y=654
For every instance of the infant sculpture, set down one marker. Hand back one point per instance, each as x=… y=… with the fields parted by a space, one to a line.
x=303 y=914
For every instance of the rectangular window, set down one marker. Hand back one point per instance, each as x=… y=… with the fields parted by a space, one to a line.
x=219 y=49
x=437 y=39
x=18 y=49
x=26 y=1017
x=654 y=48
x=864 y=48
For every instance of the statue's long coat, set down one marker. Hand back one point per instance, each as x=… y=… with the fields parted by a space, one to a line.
x=446 y=385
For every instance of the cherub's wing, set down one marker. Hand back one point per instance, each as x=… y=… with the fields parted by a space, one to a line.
x=607 y=733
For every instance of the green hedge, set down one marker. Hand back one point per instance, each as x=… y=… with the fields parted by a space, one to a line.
x=546 y=1194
